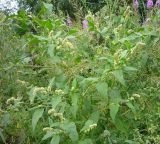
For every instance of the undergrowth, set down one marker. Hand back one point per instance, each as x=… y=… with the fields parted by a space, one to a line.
x=64 y=85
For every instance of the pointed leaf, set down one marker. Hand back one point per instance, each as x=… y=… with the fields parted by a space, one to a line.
x=2 y=136
x=36 y=116
x=48 y=6
x=114 y=107
x=118 y=74
x=71 y=129
x=40 y=38
x=74 y=107
x=127 y=68
x=86 y=141
x=32 y=94
x=50 y=51
x=102 y=88
x=121 y=125
x=87 y=124
x=115 y=96
x=55 y=139
x=74 y=83
x=95 y=116
x=55 y=101
x=48 y=135
x=131 y=107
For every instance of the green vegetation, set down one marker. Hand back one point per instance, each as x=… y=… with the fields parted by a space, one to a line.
x=61 y=85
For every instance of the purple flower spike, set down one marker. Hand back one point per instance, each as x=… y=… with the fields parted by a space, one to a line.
x=69 y=22
x=157 y=3
x=85 y=24
x=150 y=4
x=135 y=4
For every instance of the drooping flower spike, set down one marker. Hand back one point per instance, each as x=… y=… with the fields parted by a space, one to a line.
x=135 y=4
x=149 y=4
x=157 y=3
x=85 y=24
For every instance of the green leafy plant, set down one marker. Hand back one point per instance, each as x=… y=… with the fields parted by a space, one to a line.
x=72 y=85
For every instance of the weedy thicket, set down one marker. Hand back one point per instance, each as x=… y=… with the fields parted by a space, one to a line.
x=64 y=85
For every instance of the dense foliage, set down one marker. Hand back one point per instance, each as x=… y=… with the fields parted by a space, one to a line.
x=63 y=85
x=76 y=9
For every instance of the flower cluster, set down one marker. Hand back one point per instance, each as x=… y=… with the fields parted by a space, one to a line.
x=150 y=4
x=157 y=3
x=59 y=92
x=85 y=24
x=135 y=4
x=56 y=114
x=69 y=22
x=90 y=128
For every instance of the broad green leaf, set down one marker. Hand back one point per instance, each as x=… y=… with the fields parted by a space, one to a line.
x=115 y=96
x=46 y=24
x=55 y=139
x=121 y=125
x=51 y=83
x=48 y=6
x=102 y=88
x=55 y=101
x=87 y=124
x=2 y=136
x=123 y=54
x=87 y=81
x=74 y=106
x=50 y=121
x=114 y=107
x=60 y=80
x=74 y=83
x=74 y=109
x=131 y=107
x=118 y=74
x=127 y=68
x=71 y=32
x=27 y=60
x=95 y=116
x=71 y=129
x=40 y=38
x=58 y=34
x=5 y=120
x=129 y=38
x=56 y=124
x=50 y=51
x=104 y=31
x=62 y=106
x=48 y=135
x=36 y=116
x=144 y=59
x=32 y=94
x=86 y=141
x=110 y=59
x=91 y=79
